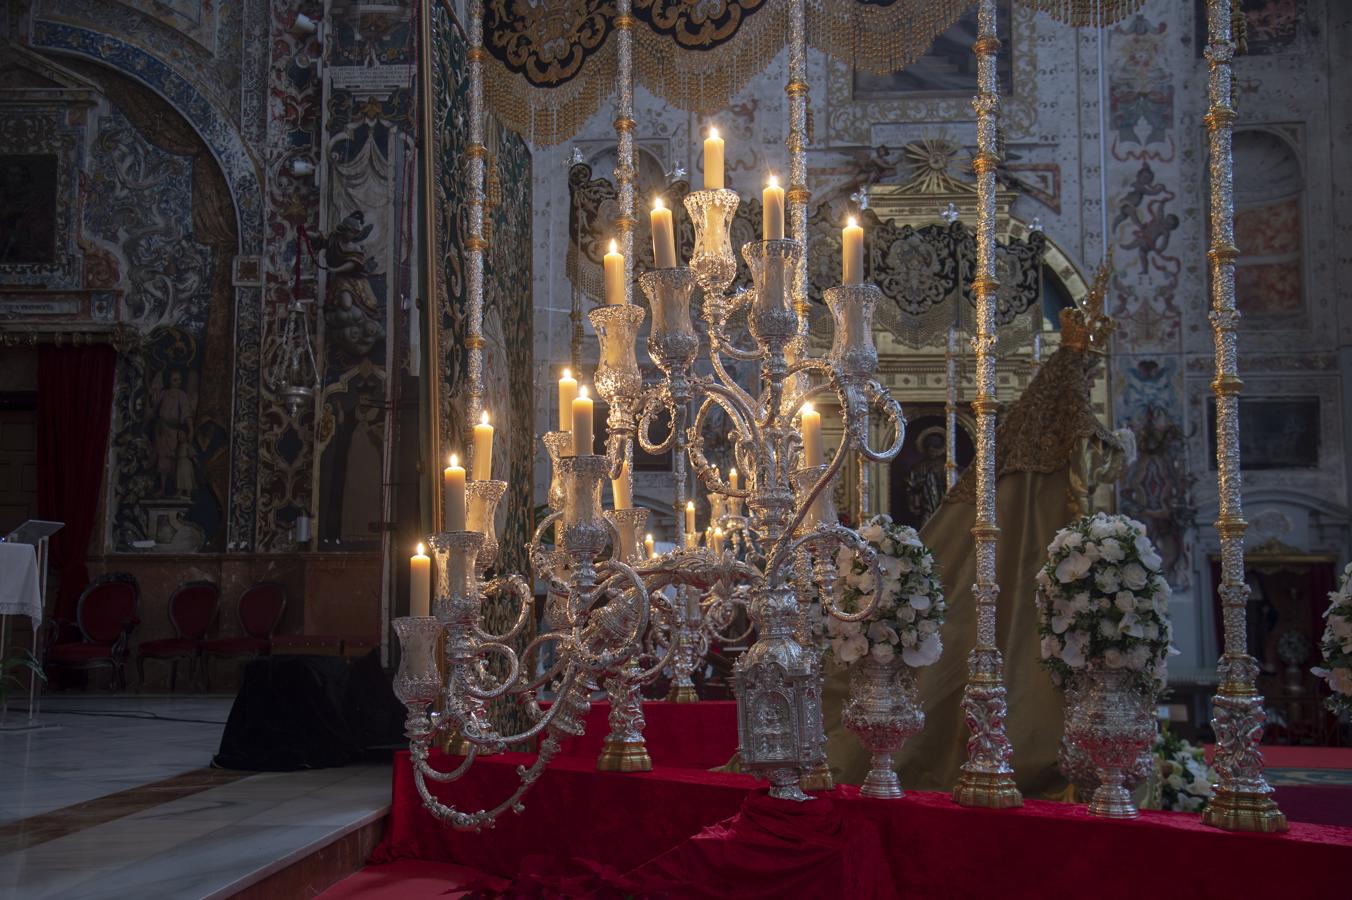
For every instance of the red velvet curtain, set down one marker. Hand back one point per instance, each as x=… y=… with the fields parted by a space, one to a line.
x=75 y=406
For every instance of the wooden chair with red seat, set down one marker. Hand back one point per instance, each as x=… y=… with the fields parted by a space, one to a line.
x=192 y=610
x=106 y=615
x=260 y=611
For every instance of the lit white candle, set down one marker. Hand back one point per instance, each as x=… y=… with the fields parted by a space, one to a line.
x=567 y=391
x=583 y=435
x=718 y=540
x=483 y=449
x=453 y=484
x=613 y=263
x=772 y=210
x=732 y=478
x=852 y=253
x=812 y=436
x=649 y=545
x=623 y=488
x=689 y=518
x=664 y=239
x=420 y=583
x=713 y=161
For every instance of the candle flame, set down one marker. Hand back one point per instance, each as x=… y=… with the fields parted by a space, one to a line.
x=582 y=392
x=567 y=373
x=690 y=504
x=809 y=408
x=851 y=223
x=732 y=473
x=648 y=537
x=455 y=460
x=718 y=532
x=421 y=550
x=614 y=248
x=657 y=203
x=713 y=132
x=773 y=182
x=483 y=417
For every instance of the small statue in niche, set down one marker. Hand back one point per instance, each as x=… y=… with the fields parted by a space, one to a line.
x=172 y=416
x=352 y=315
x=926 y=482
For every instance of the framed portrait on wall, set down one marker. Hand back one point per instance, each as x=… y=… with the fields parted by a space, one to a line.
x=1274 y=432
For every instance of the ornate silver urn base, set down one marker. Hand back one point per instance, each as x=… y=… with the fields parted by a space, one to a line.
x=882 y=713
x=1110 y=722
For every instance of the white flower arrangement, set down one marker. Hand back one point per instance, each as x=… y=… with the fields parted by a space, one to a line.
x=910 y=606
x=1185 y=778
x=1336 y=647
x=1101 y=598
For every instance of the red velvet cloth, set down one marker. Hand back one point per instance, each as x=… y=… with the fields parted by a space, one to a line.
x=934 y=848
x=75 y=406
x=774 y=848
x=686 y=735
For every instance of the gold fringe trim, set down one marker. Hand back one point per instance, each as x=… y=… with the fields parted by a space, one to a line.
x=880 y=40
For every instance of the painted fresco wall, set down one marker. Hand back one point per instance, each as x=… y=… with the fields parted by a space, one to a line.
x=1288 y=151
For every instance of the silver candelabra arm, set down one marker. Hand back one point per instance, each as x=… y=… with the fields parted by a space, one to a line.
x=517 y=587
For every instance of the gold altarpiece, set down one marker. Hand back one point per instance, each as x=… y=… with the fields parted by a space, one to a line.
x=920 y=375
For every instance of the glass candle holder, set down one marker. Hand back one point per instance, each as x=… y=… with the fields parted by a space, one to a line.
x=823 y=510
x=630 y=524
x=418 y=681
x=852 y=307
x=771 y=319
x=482 y=498
x=559 y=444
x=457 y=593
x=672 y=342
x=618 y=378
x=585 y=533
x=713 y=262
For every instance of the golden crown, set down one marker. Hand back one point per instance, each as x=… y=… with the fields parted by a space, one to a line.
x=1088 y=327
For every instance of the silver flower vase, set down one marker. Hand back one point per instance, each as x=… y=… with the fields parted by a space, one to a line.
x=1110 y=724
x=882 y=712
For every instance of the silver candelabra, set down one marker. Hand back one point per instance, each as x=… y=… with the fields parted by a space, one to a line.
x=604 y=597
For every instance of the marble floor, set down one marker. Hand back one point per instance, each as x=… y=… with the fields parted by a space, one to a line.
x=118 y=800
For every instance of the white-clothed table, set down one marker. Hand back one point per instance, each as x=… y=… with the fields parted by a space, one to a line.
x=19 y=595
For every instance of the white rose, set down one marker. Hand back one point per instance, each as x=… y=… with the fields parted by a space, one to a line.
x=1091 y=550
x=906 y=613
x=1108 y=580
x=1135 y=577
x=882 y=652
x=929 y=626
x=872 y=532
x=1080 y=602
x=1107 y=628
x=904 y=566
x=1340 y=626
x=1042 y=579
x=1101 y=604
x=1111 y=550
x=1146 y=551
x=1100 y=528
x=919 y=602
x=1340 y=680
x=1125 y=601
x=1131 y=625
x=852 y=649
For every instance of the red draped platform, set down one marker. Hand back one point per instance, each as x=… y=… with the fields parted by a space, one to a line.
x=680 y=831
